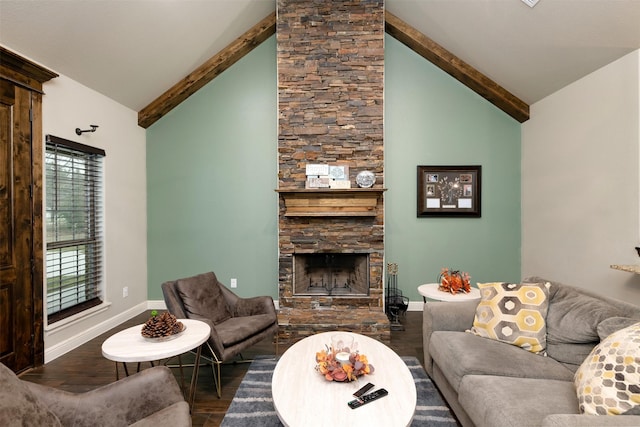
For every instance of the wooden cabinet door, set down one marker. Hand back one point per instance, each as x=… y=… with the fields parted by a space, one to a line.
x=17 y=321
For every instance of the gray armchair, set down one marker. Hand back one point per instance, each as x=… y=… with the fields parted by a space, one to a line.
x=149 y=398
x=236 y=323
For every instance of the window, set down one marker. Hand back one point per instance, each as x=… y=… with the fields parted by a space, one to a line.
x=74 y=227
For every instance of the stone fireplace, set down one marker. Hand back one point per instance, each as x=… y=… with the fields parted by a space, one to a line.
x=330 y=111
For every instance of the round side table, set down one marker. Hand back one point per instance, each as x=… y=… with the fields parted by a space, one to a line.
x=430 y=290
x=130 y=346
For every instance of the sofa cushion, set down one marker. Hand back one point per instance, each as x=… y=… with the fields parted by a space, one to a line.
x=569 y=354
x=513 y=313
x=581 y=420
x=608 y=382
x=459 y=353
x=203 y=298
x=573 y=317
x=614 y=324
x=492 y=401
x=20 y=407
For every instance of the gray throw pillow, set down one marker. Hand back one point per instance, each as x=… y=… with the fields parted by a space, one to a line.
x=203 y=298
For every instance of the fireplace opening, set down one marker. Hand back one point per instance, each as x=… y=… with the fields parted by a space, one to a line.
x=333 y=274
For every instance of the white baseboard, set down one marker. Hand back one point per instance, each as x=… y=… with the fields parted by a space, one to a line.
x=57 y=350
x=416 y=306
x=158 y=304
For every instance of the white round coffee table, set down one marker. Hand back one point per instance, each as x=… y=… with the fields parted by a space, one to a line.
x=302 y=397
x=130 y=346
x=431 y=291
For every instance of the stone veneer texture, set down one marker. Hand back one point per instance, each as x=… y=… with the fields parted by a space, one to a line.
x=330 y=59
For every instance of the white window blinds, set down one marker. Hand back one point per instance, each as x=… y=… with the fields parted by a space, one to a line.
x=74 y=219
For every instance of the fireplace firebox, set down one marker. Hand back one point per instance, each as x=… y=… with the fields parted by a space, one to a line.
x=332 y=274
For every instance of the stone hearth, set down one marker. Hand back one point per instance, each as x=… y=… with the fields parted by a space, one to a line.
x=330 y=102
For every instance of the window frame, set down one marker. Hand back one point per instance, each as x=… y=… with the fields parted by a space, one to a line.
x=85 y=286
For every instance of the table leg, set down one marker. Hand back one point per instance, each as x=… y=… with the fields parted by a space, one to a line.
x=194 y=377
x=181 y=372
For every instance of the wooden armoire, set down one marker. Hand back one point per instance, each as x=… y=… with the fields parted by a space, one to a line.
x=21 y=232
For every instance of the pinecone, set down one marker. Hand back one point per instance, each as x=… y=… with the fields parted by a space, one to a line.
x=161 y=326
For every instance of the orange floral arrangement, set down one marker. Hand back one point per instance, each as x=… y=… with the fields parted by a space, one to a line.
x=334 y=370
x=454 y=281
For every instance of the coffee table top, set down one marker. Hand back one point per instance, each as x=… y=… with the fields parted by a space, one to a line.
x=302 y=397
x=130 y=346
x=430 y=290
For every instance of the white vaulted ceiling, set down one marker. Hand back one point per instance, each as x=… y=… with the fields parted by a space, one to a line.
x=134 y=50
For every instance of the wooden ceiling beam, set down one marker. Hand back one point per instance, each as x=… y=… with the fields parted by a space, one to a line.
x=207 y=71
x=457 y=68
x=394 y=26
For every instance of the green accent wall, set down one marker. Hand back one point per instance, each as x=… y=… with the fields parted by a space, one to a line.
x=211 y=176
x=212 y=171
x=432 y=119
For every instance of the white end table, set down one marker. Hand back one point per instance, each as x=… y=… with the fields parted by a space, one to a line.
x=430 y=290
x=130 y=346
x=302 y=397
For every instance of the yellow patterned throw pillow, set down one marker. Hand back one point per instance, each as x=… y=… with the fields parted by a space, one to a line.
x=513 y=313
x=608 y=381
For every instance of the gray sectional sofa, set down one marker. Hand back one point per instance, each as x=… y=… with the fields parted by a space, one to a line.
x=493 y=384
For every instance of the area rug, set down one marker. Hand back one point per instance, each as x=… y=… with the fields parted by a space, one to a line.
x=253 y=405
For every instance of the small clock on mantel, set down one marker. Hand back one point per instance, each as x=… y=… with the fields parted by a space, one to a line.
x=365 y=179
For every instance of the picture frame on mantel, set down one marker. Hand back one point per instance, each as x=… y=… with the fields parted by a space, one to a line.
x=449 y=191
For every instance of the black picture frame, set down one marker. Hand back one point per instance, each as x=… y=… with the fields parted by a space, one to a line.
x=449 y=191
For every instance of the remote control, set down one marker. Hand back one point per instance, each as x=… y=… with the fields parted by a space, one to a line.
x=363 y=390
x=374 y=395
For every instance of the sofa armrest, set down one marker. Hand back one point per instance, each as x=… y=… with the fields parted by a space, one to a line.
x=449 y=316
x=444 y=316
x=123 y=402
x=578 y=420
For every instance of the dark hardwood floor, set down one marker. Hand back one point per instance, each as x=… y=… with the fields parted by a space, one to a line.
x=85 y=368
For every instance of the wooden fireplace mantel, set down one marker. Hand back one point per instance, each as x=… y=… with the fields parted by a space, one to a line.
x=331 y=202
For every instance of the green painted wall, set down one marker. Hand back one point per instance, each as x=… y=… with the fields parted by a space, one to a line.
x=211 y=176
x=211 y=171
x=432 y=119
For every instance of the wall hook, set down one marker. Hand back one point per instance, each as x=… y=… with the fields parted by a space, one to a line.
x=80 y=131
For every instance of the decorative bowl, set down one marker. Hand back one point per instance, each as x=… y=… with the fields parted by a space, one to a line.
x=168 y=337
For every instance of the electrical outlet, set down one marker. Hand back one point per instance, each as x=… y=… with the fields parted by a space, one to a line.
x=234 y=283
x=125 y=292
